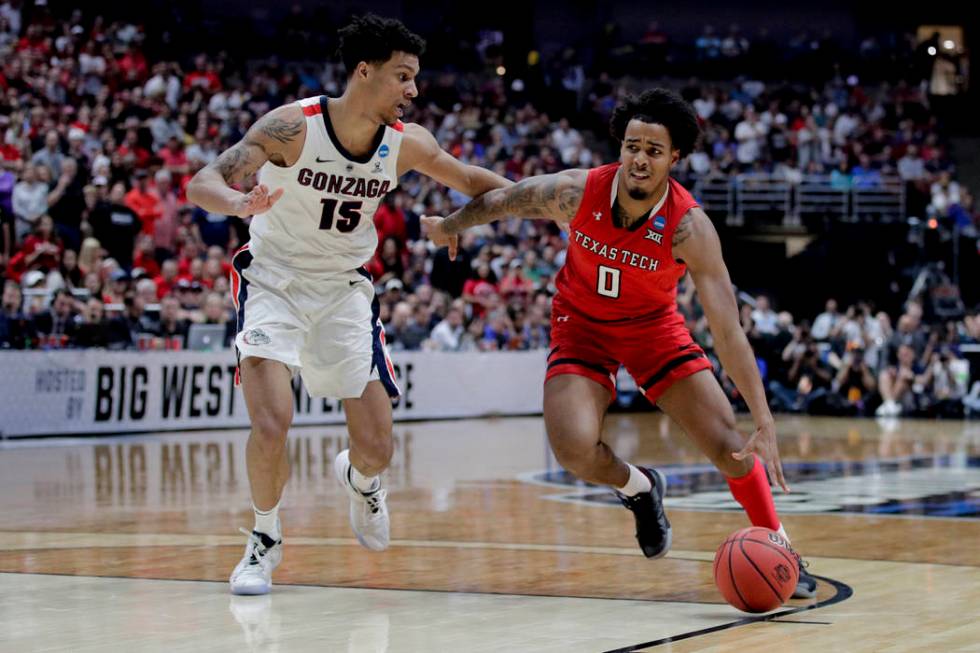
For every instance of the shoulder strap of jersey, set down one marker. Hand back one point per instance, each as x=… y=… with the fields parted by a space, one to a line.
x=597 y=185
x=311 y=106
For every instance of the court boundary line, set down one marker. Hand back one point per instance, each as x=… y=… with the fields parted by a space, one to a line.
x=372 y=589
x=690 y=555
x=844 y=592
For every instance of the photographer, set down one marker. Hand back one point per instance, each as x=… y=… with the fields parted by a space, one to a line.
x=855 y=383
x=897 y=382
x=809 y=378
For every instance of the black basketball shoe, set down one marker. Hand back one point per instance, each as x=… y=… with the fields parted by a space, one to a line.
x=652 y=528
x=806 y=586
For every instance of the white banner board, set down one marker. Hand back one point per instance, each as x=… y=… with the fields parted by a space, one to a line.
x=95 y=391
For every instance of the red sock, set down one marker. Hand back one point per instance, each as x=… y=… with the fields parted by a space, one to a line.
x=752 y=491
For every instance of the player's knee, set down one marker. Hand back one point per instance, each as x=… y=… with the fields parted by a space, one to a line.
x=729 y=442
x=269 y=429
x=574 y=457
x=374 y=446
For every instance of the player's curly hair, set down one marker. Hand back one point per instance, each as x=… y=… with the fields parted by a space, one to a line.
x=663 y=107
x=374 y=39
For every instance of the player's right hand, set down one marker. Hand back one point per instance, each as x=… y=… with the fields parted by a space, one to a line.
x=257 y=200
x=433 y=229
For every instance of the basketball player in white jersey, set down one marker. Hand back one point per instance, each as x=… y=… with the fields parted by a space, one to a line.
x=305 y=303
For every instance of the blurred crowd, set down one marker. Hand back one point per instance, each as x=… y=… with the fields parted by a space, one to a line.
x=100 y=248
x=854 y=361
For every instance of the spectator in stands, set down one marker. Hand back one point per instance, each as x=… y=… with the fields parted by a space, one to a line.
x=67 y=201
x=765 y=319
x=71 y=275
x=143 y=202
x=91 y=327
x=90 y=256
x=809 y=379
x=215 y=311
x=16 y=329
x=172 y=324
x=115 y=224
x=447 y=334
x=751 y=136
x=897 y=384
x=911 y=167
x=124 y=331
x=51 y=156
x=971 y=326
x=943 y=387
x=499 y=330
x=41 y=250
x=403 y=332
x=855 y=383
x=514 y=285
x=390 y=222
x=57 y=324
x=479 y=291
x=840 y=177
x=389 y=264
x=825 y=327
x=29 y=201
x=864 y=174
x=944 y=192
x=166 y=226
x=147 y=291
x=213 y=229
x=188 y=293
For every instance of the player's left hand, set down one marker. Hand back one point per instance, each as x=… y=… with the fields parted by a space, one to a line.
x=763 y=444
x=433 y=229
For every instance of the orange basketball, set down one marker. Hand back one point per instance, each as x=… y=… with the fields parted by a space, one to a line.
x=756 y=570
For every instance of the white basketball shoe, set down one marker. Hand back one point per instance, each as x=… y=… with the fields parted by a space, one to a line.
x=253 y=575
x=368 y=512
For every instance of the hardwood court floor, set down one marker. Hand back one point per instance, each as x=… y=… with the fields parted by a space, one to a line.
x=127 y=543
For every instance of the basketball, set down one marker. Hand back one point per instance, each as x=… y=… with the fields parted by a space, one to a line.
x=755 y=570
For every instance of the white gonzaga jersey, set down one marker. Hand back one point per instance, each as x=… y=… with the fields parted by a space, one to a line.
x=324 y=221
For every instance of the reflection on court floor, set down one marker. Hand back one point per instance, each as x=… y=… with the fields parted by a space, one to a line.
x=128 y=542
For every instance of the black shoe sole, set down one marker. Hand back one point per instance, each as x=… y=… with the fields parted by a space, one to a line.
x=661 y=490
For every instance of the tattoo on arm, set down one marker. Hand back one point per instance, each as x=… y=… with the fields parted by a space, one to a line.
x=236 y=162
x=283 y=131
x=547 y=196
x=684 y=230
x=248 y=155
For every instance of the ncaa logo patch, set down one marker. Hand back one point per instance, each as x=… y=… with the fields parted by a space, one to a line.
x=659 y=223
x=383 y=151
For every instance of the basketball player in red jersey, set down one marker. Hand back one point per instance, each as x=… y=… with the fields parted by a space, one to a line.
x=633 y=231
x=305 y=303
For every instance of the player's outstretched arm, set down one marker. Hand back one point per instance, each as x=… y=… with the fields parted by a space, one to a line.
x=278 y=137
x=555 y=197
x=696 y=243
x=421 y=152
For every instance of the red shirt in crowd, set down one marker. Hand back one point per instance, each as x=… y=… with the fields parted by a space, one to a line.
x=46 y=261
x=390 y=222
x=146 y=205
x=147 y=262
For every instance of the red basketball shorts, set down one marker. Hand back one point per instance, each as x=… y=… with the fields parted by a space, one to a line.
x=656 y=350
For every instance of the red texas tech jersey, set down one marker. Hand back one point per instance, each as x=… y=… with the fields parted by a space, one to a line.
x=613 y=273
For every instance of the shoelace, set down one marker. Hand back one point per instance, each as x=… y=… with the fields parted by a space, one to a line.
x=258 y=548
x=374 y=500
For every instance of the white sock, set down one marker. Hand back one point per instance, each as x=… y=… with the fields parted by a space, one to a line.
x=267 y=521
x=637 y=482
x=363 y=483
x=782 y=533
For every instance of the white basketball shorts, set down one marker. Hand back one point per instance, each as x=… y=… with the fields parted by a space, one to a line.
x=328 y=330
